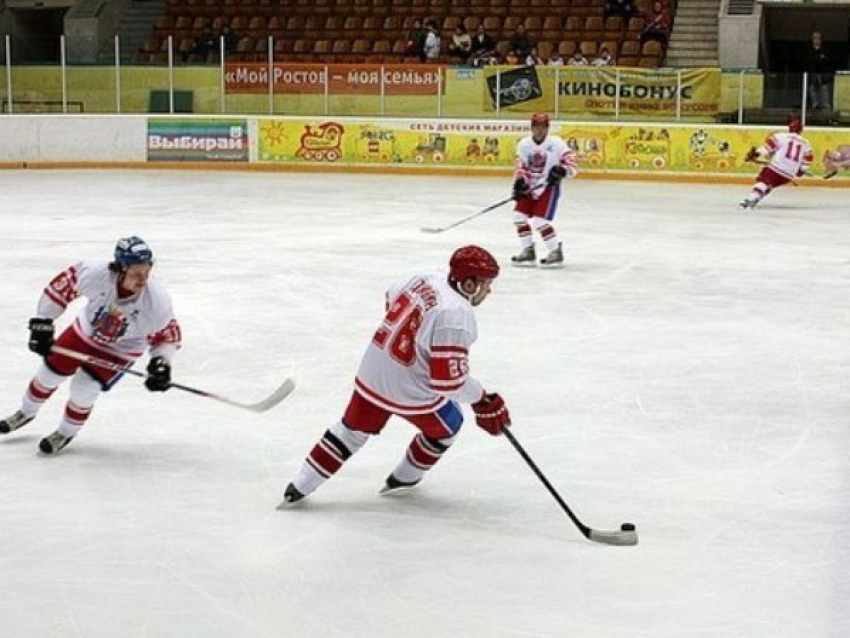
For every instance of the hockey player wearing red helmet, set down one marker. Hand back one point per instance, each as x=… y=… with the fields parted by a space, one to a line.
x=416 y=366
x=542 y=162
x=786 y=155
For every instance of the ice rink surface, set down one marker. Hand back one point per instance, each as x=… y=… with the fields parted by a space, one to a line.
x=688 y=371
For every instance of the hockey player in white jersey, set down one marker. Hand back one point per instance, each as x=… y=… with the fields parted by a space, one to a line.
x=542 y=161
x=416 y=367
x=788 y=155
x=127 y=312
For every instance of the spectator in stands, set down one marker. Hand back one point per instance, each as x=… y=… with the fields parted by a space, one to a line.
x=521 y=43
x=820 y=68
x=207 y=43
x=461 y=44
x=623 y=8
x=229 y=40
x=512 y=58
x=533 y=59
x=604 y=58
x=555 y=59
x=482 y=47
x=578 y=59
x=416 y=40
x=431 y=48
x=657 y=24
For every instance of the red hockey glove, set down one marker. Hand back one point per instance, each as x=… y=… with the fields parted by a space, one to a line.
x=491 y=414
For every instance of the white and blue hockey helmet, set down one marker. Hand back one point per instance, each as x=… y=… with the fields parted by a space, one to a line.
x=132 y=250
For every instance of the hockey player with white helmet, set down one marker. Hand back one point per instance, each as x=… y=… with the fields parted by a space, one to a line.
x=127 y=313
x=416 y=367
x=542 y=161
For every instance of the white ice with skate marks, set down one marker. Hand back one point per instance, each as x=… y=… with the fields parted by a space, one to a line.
x=686 y=371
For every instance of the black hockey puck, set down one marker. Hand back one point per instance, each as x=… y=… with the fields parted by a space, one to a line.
x=627 y=527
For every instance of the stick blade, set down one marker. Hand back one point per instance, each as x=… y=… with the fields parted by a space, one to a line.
x=432 y=231
x=614 y=537
x=284 y=390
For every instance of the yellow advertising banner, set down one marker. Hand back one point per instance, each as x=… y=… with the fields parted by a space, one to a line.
x=603 y=91
x=644 y=92
x=413 y=142
x=709 y=149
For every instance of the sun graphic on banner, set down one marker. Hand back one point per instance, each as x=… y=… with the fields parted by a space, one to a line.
x=274 y=136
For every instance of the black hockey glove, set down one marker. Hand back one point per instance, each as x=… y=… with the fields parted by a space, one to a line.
x=41 y=335
x=556 y=174
x=752 y=155
x=159 y=375
x=520 y=188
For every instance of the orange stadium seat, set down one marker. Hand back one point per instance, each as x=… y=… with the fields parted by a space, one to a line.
x=552 y=28
x=573 y=27
x=614 y=27
x=361 y=46
x=593 y=28
x=492 y=24
x=567 y=48
x=588 y=48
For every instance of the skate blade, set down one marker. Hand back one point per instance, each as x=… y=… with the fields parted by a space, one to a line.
x=386 y=490
x=288 y=505
x=524 y=264
x=556 y=266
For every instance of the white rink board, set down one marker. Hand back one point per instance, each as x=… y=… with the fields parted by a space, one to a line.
x=688 y=371
x=73 y=138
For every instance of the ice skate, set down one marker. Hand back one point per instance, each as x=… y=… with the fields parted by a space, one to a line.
x=554 y=259
x=526 y=257
x=394 y=486
x=54 y=443
x=748 y=203
x=291 y=496
x=14 y=422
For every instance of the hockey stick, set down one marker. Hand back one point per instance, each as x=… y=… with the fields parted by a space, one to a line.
x=283 y=391
x=626 y=535
x=499 y=204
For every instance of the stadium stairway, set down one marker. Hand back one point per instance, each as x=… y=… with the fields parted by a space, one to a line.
x=693 y=41
x=135 y=26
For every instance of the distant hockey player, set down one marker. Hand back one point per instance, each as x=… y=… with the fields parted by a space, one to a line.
x=127 y=312
x=542 y=161
x=787 y=155
x=416 y=367
x=833 y=161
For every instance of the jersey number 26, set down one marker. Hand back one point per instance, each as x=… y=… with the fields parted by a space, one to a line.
x=401 y=323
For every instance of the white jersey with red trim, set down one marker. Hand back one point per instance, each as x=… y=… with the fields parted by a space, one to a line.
x=534 y=161
x=419 y=357
x=790 y=154
x=123 y=327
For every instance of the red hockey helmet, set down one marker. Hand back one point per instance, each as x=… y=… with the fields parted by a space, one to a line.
x=472 y=262
x=540 y=119
x=795 y=124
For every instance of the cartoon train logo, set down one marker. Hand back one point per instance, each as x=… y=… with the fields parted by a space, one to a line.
x=376 y=144
x=488 y=151
x=647 y=148
x=321 y=143
x=709 y=152
x=588 y=146
x=433 y=148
